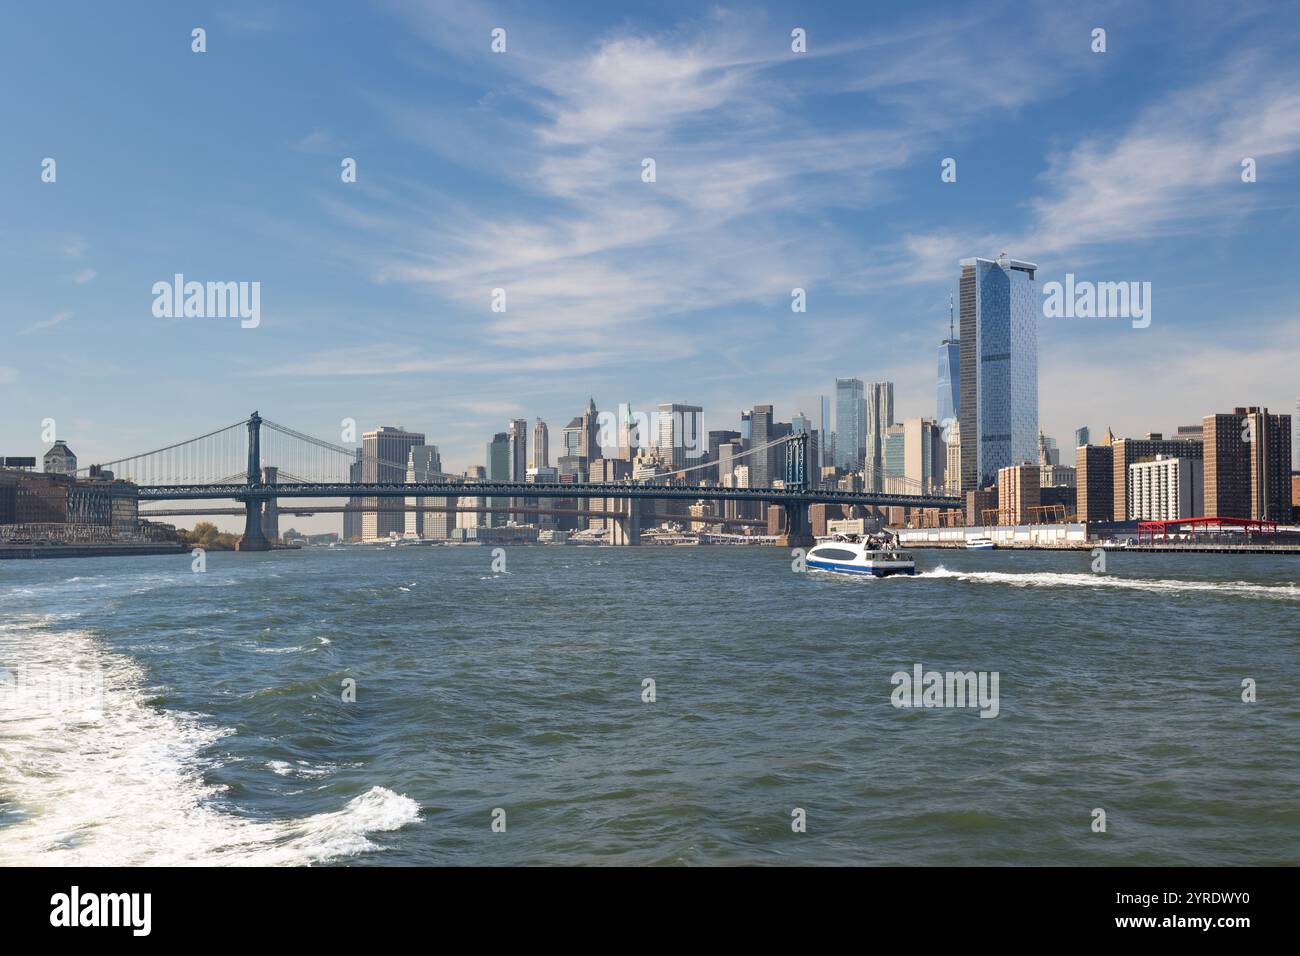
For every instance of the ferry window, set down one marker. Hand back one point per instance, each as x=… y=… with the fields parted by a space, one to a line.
x=834 y=554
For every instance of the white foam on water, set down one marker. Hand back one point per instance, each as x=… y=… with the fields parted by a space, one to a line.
x=92 y=774
x=1057 y=579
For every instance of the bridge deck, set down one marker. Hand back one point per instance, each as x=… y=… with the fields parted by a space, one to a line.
x=781 y=496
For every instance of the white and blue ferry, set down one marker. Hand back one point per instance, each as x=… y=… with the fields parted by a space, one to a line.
x=875 y=557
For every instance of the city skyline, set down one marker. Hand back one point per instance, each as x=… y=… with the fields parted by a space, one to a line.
x=348 y=327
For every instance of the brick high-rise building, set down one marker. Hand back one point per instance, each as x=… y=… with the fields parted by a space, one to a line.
x=979 y=501
x=1018 y=494
x=1094 y=480
x=1248 y=464
x=1128 y=451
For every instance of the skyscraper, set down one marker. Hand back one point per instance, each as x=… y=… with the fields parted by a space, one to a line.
x=541 y=446
x=850 y=423
x=999 y=307
x=952 y=456
x=681 y=440
x=880 y=416
x=631 y=432
x=800 y=424
x=1295 y=437
x=949 y=398
x=762 y=430
x=1048 y=453
x=352 y=518
x=1018 y=494
x=1081 y=436
x=924 y=456
x=517 y=432
x=893 y=465
x=590 y=432
x=1127 y=451
x=580 y=444
x=1247 y=464
x=1094 y=468
x=498 y=469
x=716 y=440
x=423 y=465
x=384 y=454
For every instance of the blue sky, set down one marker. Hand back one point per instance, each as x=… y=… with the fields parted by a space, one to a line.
x=522 y=170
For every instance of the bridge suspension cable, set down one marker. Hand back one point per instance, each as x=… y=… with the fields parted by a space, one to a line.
x=199 y=460
x=713 y=464
x=306 y=455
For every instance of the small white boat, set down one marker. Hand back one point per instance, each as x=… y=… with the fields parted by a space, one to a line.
x=875 y=557
x=980 y=543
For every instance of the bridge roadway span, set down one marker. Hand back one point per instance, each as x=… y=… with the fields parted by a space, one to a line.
x=625 y=530
x=509 y=489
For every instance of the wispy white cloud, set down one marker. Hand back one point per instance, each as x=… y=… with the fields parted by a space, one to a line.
x=57 y=319
x=737 y=216
x=84 y=276
x=245 y=21
x=1174 y=170
x=318 y=141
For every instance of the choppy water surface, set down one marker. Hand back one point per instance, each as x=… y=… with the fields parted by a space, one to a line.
x=223 y=736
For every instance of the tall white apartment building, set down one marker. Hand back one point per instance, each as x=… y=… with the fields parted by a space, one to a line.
x=1166 y=489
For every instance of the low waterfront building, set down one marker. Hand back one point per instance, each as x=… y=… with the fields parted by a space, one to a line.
x=57 y=498
x=60 y=460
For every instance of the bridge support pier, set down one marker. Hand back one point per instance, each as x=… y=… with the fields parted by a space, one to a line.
x=798 y=527
x=253 y=539
x=270 y=509
x=626 y=530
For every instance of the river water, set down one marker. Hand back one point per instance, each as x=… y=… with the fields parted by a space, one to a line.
x=152 y=714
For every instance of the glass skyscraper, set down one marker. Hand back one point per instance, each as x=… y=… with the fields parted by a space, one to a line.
x=850 y=423
x=999 y=306
x=880 y=416
x=949 y=397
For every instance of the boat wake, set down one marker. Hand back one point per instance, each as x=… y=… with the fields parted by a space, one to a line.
x=93 y=774
x=1055 y=579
